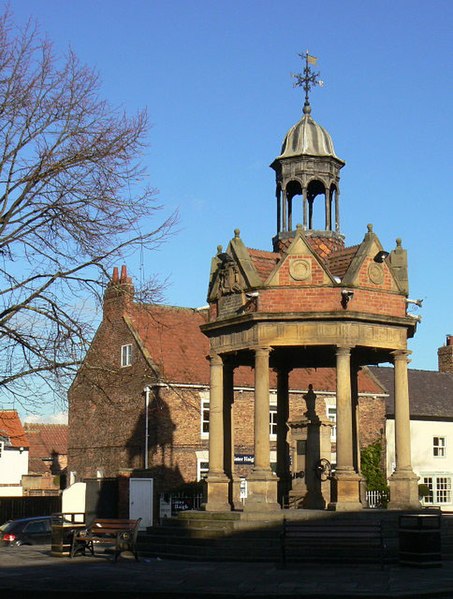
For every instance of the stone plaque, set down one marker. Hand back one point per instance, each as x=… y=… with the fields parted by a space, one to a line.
x=376 y=273
x=230 y=304
x=300 y=269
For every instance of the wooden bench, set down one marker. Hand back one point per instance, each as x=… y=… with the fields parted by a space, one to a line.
x=332 y=540
x=121 y=534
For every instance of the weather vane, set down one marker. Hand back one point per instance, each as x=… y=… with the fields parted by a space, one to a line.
x=308 y=79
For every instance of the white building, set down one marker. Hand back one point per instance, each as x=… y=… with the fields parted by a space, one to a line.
x=13 y=454
x=431 y=406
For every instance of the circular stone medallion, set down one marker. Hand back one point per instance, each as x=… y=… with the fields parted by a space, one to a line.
x=300 y=269
x=376 y=273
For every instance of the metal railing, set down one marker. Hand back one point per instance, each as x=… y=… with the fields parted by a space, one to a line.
x=376 y=499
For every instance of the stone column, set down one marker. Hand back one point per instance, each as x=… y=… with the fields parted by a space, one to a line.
x=228 y=399
x=262 y=482
x=305 y=208
x=283 y=458
x=217 y=481
x=337 y=210
x=344 y=411
x=346 y=490
x=262 y=408
x=403 y=482
x=328 y=211
x=284 y=211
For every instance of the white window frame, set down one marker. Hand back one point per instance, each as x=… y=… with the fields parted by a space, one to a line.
x=202 y=468
x=332 y=416
x=440 y=487
x=439 y=447
x=273 y=421
x=126 y=355
x=204 y=418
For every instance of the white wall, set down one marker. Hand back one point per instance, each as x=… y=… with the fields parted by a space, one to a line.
x=13 y=464
x=73 y=500
x=424 y=463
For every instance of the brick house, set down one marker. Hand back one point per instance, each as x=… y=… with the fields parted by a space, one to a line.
x=48 y=457
x=140 y=346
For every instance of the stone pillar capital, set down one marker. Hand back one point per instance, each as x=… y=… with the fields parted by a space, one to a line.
x=401 y=355
x=343 y=350
x=283 y=370
x=215 y=359
x=262 y=352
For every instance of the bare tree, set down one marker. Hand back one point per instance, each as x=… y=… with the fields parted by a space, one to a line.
x=73 y=199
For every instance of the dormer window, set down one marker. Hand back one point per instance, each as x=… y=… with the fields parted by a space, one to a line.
x=126 y=355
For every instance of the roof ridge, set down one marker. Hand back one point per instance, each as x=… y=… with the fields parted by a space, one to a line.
x=269 y=252
x=170 y=306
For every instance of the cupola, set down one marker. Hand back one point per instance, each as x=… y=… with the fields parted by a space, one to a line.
x=308 y=167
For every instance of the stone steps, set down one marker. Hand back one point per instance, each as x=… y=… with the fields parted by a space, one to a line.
x=242 y=537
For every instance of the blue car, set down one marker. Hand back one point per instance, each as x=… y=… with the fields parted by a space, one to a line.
x=26 y=531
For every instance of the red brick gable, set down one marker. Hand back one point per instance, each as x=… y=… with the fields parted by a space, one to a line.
x=172 y=338
x=47 y=441
x=11 y=428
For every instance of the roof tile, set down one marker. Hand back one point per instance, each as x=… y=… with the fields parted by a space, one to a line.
x=11 y=427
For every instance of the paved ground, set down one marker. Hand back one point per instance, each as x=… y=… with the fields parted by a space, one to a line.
x=33 y=572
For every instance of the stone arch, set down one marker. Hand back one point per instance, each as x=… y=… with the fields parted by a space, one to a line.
x=315 y=187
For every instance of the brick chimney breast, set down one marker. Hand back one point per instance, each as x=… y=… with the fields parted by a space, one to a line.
x=445 y=356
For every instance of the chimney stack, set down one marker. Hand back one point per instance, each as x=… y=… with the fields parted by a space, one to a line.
x=445 y=356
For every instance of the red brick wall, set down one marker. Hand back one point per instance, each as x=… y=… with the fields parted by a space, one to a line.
x=328 y=299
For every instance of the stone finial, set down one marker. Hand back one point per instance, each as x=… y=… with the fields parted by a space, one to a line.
x=399 y=242
x=219 y=249
x=237 y=233
x=369 y=232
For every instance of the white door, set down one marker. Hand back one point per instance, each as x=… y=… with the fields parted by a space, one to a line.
x=141 y=501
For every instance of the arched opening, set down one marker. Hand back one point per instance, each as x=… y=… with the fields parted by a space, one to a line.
x=293 y=189
x=315 y=221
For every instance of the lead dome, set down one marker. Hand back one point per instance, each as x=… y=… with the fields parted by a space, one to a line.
x=307 y=138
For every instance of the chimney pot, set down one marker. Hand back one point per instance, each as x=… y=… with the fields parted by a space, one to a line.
x=449 y=340
x=115 y=274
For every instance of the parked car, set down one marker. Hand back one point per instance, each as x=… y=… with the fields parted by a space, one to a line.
x=26 y=531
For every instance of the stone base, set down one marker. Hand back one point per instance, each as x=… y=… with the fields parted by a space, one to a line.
x=261 y=492
x=403 y=491
x=345 y=492
x=217 y=493
x=314 y=500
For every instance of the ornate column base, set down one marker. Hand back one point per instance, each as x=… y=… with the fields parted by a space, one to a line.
x=261 y=492
x=217 y=493
x=345 y=492
x=403 y=491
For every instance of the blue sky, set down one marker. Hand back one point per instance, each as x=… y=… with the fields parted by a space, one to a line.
x=215 y=78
